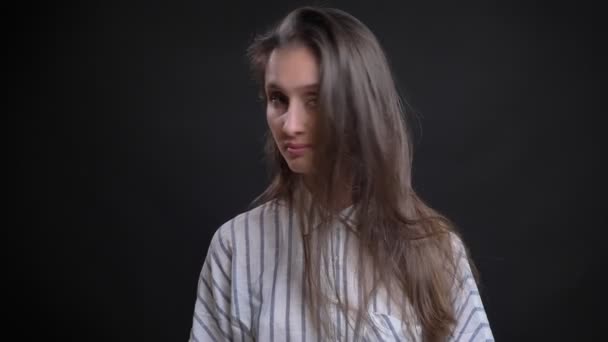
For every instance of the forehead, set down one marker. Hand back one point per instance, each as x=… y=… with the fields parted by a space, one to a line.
x=292 y=67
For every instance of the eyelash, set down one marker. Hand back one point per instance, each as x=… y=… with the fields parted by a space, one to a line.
x=283 y=99
x=277 y=96
x=313 y=100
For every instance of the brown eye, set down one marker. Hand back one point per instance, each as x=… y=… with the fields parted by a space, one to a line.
x=277 y=99
x=312 y=102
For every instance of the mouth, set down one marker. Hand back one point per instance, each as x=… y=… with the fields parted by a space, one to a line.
x=296 y=150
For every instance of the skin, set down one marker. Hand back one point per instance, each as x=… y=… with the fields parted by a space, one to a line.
x=291 y=85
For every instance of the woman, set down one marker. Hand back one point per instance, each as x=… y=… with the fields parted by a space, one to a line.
x=338 y=247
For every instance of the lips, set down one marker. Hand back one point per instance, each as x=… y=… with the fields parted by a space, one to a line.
x=296 y=150
x=297 y=146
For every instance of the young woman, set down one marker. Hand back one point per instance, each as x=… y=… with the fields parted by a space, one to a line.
x=339 y=247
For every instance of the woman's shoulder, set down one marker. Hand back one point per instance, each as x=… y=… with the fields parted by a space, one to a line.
x=235 y=229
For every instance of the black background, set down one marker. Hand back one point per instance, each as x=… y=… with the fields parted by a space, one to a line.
x=139 y=133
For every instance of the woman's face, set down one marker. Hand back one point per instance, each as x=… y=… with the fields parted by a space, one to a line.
x=291 y=85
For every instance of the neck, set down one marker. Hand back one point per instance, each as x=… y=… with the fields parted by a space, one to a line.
x=344 y=200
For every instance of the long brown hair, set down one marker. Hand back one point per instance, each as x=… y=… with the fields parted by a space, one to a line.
x=405 y=246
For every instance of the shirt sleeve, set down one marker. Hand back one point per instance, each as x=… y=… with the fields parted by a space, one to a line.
x=213 y=310
x=471 y=320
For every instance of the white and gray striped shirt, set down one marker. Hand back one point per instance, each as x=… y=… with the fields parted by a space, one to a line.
x=250 y=287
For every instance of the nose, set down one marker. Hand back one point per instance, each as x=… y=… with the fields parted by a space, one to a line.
x=296 y=119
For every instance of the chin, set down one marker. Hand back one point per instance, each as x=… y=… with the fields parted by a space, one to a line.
x=295 y=168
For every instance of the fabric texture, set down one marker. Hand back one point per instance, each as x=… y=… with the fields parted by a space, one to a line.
x=250 y=287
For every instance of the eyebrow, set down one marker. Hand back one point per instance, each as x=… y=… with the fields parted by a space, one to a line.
x=306 y=87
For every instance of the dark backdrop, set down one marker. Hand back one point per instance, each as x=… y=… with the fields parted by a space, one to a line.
x=140 y=133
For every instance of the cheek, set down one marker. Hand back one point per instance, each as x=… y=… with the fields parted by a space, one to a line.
x=273 y=122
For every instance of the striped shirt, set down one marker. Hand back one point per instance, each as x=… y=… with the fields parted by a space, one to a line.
x=250 y=287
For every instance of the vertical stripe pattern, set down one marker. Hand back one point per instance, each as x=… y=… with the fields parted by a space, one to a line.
x=252 y=286
x=276 y=270
x=288 y=287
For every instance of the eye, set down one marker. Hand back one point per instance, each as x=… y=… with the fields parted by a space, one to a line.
x=276 y=98
x=312 y=102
